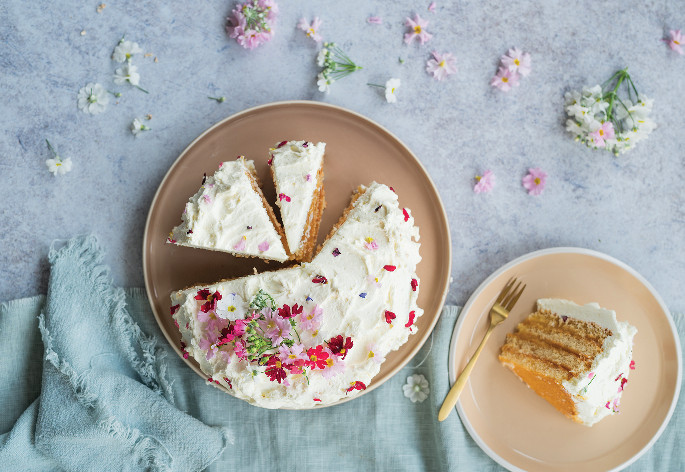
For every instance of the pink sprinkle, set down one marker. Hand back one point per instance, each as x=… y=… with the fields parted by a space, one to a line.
x=283 y=196
x=371 y=246
x=431 y=7
x=590 y=375
x=206 y=199
x=375 y=20
x=221 y=164
x=263 y=246
x=607 y=405
x=632 y=365
x=308 y=177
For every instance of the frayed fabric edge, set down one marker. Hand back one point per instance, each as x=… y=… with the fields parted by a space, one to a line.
x=148 y=451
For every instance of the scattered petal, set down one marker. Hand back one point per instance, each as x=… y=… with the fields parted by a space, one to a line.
x=485 y=182
x=417 y=26
x=442 y=65
x=517 y=61
x=311 y=30
x=374 y=20
x=535 y=181
x=505 y=79
x=93 y=99
x=675 y=42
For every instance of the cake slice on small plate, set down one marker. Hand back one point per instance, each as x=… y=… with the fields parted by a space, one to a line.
x=297 y=170
x=229 y=213
x=576 y=357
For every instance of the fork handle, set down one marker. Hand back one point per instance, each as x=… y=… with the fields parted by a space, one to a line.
x=455 y=391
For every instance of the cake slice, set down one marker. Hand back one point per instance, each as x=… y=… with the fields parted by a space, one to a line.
x=229 y=213
x=297 y=171
x=318 y=332
x=575 y=357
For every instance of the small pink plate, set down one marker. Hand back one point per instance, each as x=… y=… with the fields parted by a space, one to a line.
x=519 y=429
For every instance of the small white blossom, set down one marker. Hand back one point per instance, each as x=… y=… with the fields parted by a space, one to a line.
x=321 y=58
x=323 y=83
x=137 y=127
x=390 y=87
x=125 y=50
x=58 y=166
x=93 y=99
x=127 y=73
x=416 y=389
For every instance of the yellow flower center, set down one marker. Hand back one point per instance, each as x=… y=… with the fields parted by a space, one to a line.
x=537 y=181
x=311 y=32
x=370 y=239
x=417 y=29
x=505 y=79
x=329 y=362
x=231 y=308
x=371 y=355
x=315 y=333
x=442 y=63
x=342 y=351
x=58 y=164
x=601 y=132
x=313 y=358
x=292 y=356
x=278 y=364
x=676 y=42
x=517 y=62
x=478 y=177
x=376 y=279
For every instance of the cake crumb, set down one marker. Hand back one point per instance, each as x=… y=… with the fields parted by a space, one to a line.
x=148 y=116
x=156 y=59
x=254 y=269
x=148 y=54
x=100 y=7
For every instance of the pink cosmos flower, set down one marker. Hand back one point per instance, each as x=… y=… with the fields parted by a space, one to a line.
x=311 y=321
x=442 y=65
x=334 y=366
x=485 y=182
x=505 y=79
x=676 y=41
x=606 y=131
x=375 y=20
x=417 y=26
x=311 y=30
x=517 y=61
x=534 y=181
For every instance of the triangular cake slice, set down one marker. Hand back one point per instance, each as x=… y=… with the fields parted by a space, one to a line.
x=297 y=170
x=229 y=213
x=576 y=357
x=315 y=333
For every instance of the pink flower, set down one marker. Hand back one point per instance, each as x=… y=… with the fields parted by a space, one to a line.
x=239 y=327
x=240 y=350
x=312 y=31
x=517 y=61
x=240 y=245
x=251 y=23
x=374 y=20
x=606 y=131
x=442 y=65
x=334 y=366
x=417 y=26
x=632 y=365
x=505 y=79
x=375 y=354
x=431 y=7
x=485 y=182
x=275 y=328
x=263 y=246
x=311 y=321
x=534 y=181
x=370 y=244
x=676 y=41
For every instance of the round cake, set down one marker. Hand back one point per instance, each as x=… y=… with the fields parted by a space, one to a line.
x=318 y=332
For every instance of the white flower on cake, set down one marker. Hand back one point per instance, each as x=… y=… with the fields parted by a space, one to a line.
x=125 y=50
x=93 y=99
x=416 y=389
x=127 y=73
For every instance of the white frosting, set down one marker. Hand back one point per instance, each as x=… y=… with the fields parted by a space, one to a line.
x=360 y=287
x=295 y=166
x=227 y=214
x=597 y=392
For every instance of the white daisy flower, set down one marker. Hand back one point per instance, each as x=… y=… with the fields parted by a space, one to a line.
x=125 y=50
x=390 y=87
x=127 y=73
x=58 y=166
x=324 y=83
x=137 y=127
x=93 y=99
x=416 y=389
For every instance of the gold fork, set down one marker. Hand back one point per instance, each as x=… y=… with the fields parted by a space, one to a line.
x=498 y=313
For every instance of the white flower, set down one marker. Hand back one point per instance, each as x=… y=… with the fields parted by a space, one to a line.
x=137 y=127
x=231 y=307
x=416 y=389
x=125 y=50
x=321 y=58
x=324 y=83
x=58 y=166
x=93 y=99
x=127 y=73
x=390 y=87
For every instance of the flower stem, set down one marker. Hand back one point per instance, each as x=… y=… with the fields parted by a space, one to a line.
x=52 y=149
x=375 y=85
x=141 y=88
x=218 y=99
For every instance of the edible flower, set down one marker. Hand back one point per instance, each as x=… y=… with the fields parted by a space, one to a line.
x=417 y=31
x=441 y=66
x=416 y=389
x=535 y=181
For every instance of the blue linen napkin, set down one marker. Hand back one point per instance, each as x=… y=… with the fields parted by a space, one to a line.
x=104 y=402
x=382 y=430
